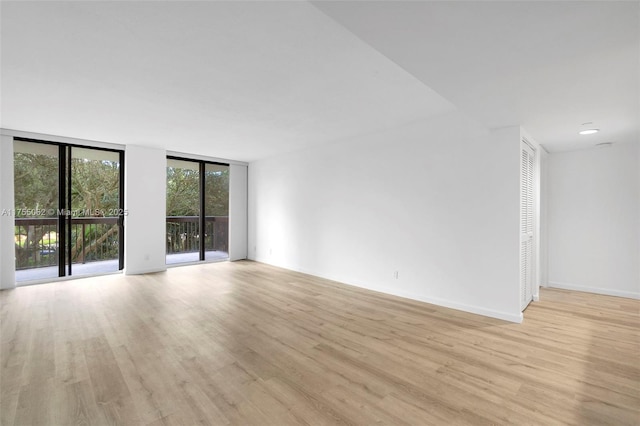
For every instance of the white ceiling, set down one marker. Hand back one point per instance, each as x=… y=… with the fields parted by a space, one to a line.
x=245 y=80
x=547 y=66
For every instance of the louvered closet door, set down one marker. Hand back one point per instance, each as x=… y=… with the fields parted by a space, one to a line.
x=526 y=224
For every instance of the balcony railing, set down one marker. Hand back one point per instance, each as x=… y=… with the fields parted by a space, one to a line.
x=96 y=238
x=37 y=241
x=183 y=234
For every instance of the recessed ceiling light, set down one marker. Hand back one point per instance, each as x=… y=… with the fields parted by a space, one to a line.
x=588 y=129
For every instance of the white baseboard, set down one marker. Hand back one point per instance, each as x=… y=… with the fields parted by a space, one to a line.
x=596 y=290
x=130 y=271
x=517 y=318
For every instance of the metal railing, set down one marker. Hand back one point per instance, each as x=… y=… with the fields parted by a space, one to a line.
x=183 y=234
x=37 y=241
x=96 y=238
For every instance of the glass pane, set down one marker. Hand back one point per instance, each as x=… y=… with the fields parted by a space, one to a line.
x=183 y=164
x=95 y=154
x=36 y=210
x=95 y=202
x=216 y=187
x=183 y=211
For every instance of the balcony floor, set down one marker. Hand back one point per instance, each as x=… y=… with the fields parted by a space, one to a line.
x=108 y=266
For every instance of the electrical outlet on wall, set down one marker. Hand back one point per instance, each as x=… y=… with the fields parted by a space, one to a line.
x=395 y=275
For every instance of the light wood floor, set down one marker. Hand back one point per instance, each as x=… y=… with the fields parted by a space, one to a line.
x=248 y=344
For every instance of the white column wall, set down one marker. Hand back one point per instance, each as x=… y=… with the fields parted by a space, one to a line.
x=145 y=201
x=7 y=242
x=237 y=212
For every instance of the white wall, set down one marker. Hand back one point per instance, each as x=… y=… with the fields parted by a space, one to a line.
x=7 y=242
x=436 y=201
x=145 y=200
x=237 y=212
x=594 y=220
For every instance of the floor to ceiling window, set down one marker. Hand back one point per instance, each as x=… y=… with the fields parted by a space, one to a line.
x=69 y=209
x=197 y=211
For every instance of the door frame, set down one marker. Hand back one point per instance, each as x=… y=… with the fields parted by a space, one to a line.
x=528 y=290
x=539 y=216
x=201 y=199
x=64 y=200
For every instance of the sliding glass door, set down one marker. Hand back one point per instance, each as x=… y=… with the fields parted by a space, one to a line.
x=216 y=210
x=197 y=211
x=37 y=194
x=68 y=210
x=96 y=225
x=183 y=211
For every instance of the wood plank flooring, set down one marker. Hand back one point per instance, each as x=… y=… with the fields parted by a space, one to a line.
x=248 y=344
